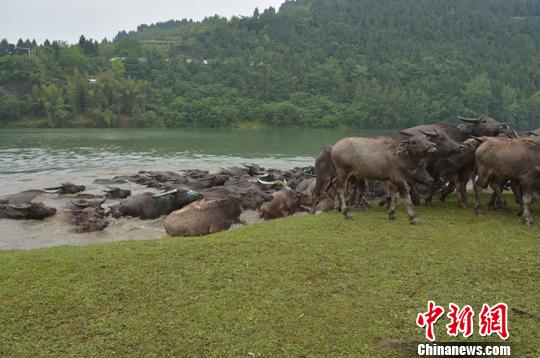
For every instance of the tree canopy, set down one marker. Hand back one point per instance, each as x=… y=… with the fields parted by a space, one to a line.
x=313 y=63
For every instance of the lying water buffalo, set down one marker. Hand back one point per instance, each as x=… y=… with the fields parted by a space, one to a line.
x=117 y=193
x=284 y=202
x=250 y=197
x=86 y=215
x=152 y=206
x=25 y=211
x=517 y=160
x=203 y=217
x=22 y=197
x=379 y=159
x=68 y=188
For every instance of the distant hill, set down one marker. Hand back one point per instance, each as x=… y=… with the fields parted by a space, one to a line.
x=321 y=63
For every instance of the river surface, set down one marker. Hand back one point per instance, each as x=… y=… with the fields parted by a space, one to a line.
x=37 y=158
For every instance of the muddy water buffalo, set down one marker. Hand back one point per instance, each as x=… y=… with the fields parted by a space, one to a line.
x=152 y=206
x=284 y=202
x=517 y=160
x=203 y=217
x=458 y=168
x=447 y=138
x=325 y=183
x=117 y=193
x=22 y=197
x=379 y=159
x=250 y=197
x=68 y=188
x=86 y=215
x=25 y=211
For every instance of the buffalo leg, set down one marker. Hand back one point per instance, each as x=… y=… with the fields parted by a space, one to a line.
x=447 y=190
x=415 y=195
x=527 y=200
x=434 y=187
x=497 y=201
x=391 y=191
x=340 y=194
x=320 y=187
x=462 y=192
x=479 y=184
x=526 y=189
x=403 y=189
x=516 y=190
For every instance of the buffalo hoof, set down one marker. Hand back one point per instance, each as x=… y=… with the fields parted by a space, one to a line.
x=391 y=216
x=528 y=221
x=429 y=204
x=478 y=211
x=414 y=221
x=463 y=205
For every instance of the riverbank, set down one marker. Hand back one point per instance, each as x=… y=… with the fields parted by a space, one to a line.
x=296 y=286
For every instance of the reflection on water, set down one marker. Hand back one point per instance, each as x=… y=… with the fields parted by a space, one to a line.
x=37 y=158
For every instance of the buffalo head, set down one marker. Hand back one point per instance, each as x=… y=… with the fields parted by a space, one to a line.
x=483 y=126
x=445 y=144
x=417 y=145
x=35 y=211
x=68 y=188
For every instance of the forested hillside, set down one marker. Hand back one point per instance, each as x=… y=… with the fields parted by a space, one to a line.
x=316 y=63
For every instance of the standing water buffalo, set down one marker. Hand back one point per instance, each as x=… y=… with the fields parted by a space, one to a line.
x=517 y=160
x=380 y=159
x=152 y=206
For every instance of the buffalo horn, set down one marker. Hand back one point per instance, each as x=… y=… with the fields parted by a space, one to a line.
x=20 y=206
x=470 y=120
x=533 y=133
x=429 y=134
x=405 y=133
x=478 y=139
x=166 y=193
x=81 y=203
x=54 y=188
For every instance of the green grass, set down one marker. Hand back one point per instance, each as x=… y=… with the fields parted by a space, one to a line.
x=299 y=286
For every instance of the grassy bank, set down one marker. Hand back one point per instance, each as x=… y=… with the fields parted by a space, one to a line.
x=312 y=285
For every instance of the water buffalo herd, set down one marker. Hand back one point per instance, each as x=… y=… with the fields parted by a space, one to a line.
x=427 y=159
